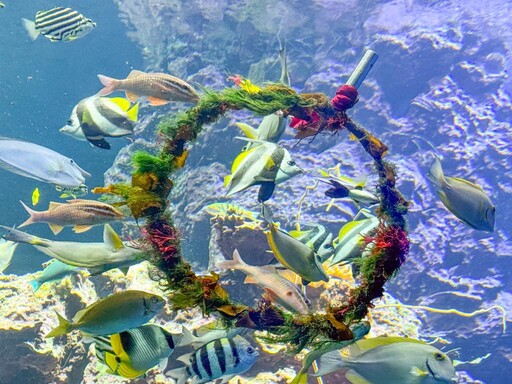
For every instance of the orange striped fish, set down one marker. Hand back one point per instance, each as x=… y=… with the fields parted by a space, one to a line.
x=79 y=214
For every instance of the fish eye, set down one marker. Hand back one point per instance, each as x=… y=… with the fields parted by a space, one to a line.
x=250 y=350
x=71 y=161
x=318 y=258
x=327 y=246
x=439 y=356
x=307 y=301
x=291 y=163
x=69 y=122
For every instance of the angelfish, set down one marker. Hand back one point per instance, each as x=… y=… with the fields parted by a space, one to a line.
x=95 y=118
x=464 y=199
x=384 y=360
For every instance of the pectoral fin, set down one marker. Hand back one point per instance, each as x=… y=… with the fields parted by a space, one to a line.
x=111 y=240
x=156 y=102
x=356 y=378
x=415 y=371
x=81 y=228
x=56 y=228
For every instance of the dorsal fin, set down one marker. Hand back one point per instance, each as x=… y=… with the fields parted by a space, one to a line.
x=135 y=73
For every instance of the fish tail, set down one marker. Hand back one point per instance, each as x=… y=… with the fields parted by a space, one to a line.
x=435 y=173
x=109 y=83
x=35 y=285
x=63 y=327
x=236 y=263
x=267 y=214
x=22 y=237
x=329 y=362
x=30 y=27
x=33 y=216
x=180 y=374
x=249 y=131
x=187 y=338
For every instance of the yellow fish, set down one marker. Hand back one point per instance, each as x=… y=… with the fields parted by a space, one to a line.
x=35 y=196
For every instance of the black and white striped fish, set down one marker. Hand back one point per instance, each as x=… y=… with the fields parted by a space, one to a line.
x=131 y=353
x=58 y=24
x=221 y=358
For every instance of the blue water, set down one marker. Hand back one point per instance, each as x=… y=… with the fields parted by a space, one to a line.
x=441 y=85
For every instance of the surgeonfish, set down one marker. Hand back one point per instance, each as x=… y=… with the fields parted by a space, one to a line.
x=280 y=290
x=72 y=192
x=40 y=163
x=293 y=254
x=359 y=330
x=132 y=352
x=7 y=249
x=219 y=359
x=270 y=129
x=159 y=88
x=58 y=24
x=464 y=199
x=95 y=118
x=80 y=214
x=350 y=241
x=384 y=360
x=35 y=196
x=318 y=238
x=113 y=314
x=96 y=257
x=56 y=270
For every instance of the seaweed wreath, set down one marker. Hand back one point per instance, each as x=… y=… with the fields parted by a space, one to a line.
x=313 y=113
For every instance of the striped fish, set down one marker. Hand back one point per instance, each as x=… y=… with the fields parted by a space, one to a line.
x=221 y=358
x=80 y=214
x=131 y=353
x=159 y=88
x=58 y=24
x=95 y=118
x=318 y=238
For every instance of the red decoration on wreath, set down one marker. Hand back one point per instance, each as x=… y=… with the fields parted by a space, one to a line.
x=346 y=97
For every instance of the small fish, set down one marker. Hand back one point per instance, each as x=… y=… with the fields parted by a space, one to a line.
x=219 y=359
x=277 y=288
x=55 y=271
x=75 y=192
x=345 y=187
x=58 y=24
x=293 y=254
x=319 y=239
x=385 y=360
x=2 y=5
x=348 y=245
x=131 y=353
x=95 y=118
x=208 y=332
x=7 y=249
x=80 y=214
x=96 y=257
x=464 y=199
x=159 y=88
x=35 y=196
x=270 y=129
x=40 y=163
x=113 y=314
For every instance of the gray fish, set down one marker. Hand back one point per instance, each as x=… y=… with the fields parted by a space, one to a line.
x=40 y=163
x=385 y=360
x=59 y=24
x=221 y=358
x=96 y=257
x=131 y=353
x=95 y=118
x=7 y=249
x=318 y=238
x=159 y=88
x=113 y=314
x=464 y=199
x=78 y=213
x=55 y=271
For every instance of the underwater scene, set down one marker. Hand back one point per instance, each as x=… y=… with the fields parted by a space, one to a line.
x=255 y=191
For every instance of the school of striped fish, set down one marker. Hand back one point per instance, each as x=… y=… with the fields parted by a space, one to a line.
x=117 y=324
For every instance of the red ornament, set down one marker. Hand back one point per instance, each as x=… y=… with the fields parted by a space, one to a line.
x=346 y=97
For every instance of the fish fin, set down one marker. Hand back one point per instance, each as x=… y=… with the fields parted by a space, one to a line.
x=269 y=164
x=63 y=327
x=53 y=205
x=135 y=73
x=185 y=358
x=249 y=131
x=156 y=102
x=121 y=102
x=109 y=83
x=56 y=228
x=100 y=143
x=112 y=362
x=347 y=228
x=81 y=228
x=187 y=338
x=355 y=378
x=30 y=27
x=131 y=96
x=263 y=179
x=267 y=214
x=35 y=285
x=415 y=371
x=125 y=270
x=249 y=280
x=329 y=362
x=300 y=378
x=179 y=374
x=227 y=180
x=111 y=239
x=435 y=173
x=225 y=379
x=33 y=216
x=163 y=364
x=133 y=112
x=238 y=160
x=468 y=183
x=271 y=295
x=363 y=345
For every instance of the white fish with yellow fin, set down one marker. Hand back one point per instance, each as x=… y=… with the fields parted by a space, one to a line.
x=270 y=129
x=7 y=249
x=466 y=200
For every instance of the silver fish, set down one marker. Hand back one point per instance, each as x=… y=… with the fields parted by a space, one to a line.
x=40 y=163
x=80 y=214
x=160 y=88
x=464 y=199
x=59 y=24
x=96 y=257
x=7 y=249
x=95 y=118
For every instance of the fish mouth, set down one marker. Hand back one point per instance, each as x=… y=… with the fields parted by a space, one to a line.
x=83 y=172
x=431 y=371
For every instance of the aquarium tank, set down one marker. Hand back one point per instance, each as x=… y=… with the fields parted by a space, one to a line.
x=254 y=191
